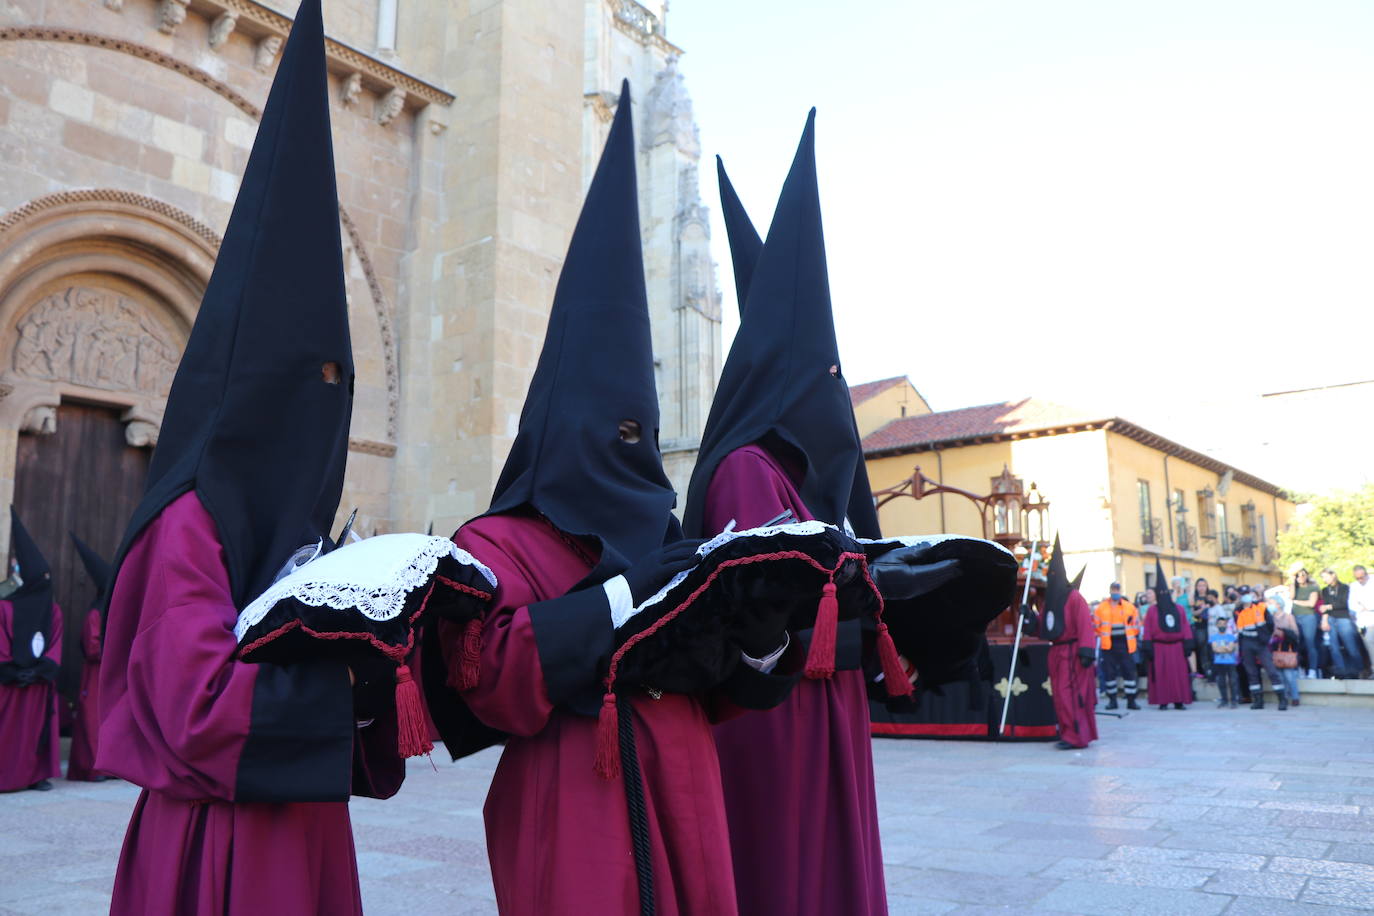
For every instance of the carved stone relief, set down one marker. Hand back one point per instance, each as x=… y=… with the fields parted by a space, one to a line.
x=389 y=106
x=40 y=421
x=266 y=53
x=170 y=14
x=670 y=118
x=96 y=338
x=221 y=29
x=350 y=89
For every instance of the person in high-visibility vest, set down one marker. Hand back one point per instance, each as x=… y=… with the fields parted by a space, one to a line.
x=1118 y=626
x=1256 y=625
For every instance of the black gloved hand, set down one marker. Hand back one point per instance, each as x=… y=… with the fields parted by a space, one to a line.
x=901 y=576
x=1085 y=657
x=651 y=573
x=1028 y=617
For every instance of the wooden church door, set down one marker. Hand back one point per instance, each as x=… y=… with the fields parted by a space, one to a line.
x=84 y=478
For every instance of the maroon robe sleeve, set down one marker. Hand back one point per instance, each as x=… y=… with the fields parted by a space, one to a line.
x=515 y=694
x=90 y=638
x=180 y=714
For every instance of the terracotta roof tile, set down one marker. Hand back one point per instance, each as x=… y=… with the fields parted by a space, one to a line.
x=975 y=422
x=860 y=393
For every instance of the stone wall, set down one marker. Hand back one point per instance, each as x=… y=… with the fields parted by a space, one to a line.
x=124 y=128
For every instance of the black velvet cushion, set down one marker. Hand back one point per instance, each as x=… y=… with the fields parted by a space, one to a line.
x=779 y=571
x=940 y=632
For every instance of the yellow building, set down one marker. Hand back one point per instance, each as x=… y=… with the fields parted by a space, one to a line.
x=1120 y=496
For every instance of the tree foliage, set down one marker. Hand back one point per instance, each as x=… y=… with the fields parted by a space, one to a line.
x=1338 y=531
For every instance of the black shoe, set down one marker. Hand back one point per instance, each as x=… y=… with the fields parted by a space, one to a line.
x=1283 y=702
x=1111 y=702
x=43 y=785
x=1179 y=706
x=1221 y=704
x=1297 y=702
x=1064 y=745
x=1257 y=704
x=1131 y=703
x=1163 y=706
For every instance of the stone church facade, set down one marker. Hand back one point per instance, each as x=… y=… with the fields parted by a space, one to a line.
x=465 y=133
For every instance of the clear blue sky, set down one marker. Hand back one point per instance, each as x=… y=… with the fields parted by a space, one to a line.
x=1149 y=207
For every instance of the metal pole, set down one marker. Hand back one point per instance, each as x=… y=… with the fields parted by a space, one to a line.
x=1016 y=645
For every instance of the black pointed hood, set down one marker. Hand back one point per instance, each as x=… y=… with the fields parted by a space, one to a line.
x=96 y=567
x=1167 y=614
x=1057 y=588
x=778 y=381
x=745 y=244
x=254 y=425
x=32 y=601
x=1077 y=584
x=596 y=369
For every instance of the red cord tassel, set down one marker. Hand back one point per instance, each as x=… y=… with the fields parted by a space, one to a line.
x=607 y=764
x=820 y=660
x=894 y=672
x=412 y=727
x=470 y=666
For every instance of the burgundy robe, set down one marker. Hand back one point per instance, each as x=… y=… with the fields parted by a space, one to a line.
x=86 y=720
x=798 y=779
x=1170 y=678
x=30 y=747
x=222 y=747
x=1074 y=686
x=558 y=835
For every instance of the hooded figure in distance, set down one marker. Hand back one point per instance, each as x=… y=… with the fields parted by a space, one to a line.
x=30 y=655
x=246 y=769
x=1067 y=622
x=86 y=712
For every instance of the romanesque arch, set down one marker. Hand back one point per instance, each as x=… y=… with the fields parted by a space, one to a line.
x=98 y=292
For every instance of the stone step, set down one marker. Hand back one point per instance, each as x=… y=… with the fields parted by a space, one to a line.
x=1313 y=692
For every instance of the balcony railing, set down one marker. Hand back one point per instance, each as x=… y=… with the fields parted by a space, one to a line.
x=1187 y=538
x=1231 y=545
x=1152 y=532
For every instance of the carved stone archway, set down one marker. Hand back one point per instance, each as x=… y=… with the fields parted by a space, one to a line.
x=98 y=292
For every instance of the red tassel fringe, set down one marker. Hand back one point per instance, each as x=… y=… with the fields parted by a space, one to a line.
x=470 y=666
x=894 y=672
x=412 y=727
x=820 y=660
x=607 y=764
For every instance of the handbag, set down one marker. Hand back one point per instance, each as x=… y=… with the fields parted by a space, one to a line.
x=1284 y=658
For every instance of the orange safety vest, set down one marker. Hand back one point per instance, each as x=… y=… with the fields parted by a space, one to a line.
x=1249 y=617
x=1116 y=614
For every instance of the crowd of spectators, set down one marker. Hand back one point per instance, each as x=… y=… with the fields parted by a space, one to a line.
x=1314 y=630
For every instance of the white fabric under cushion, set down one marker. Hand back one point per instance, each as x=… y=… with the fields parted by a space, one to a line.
x=373 y=576
x=929 y=540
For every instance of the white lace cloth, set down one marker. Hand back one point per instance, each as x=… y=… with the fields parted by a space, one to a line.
x=373 y=576
x=930 y=540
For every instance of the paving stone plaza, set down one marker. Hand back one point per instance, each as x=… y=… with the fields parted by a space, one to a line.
x=1197 y=812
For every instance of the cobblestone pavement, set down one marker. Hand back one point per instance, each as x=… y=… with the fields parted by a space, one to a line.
x=1204 y=811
